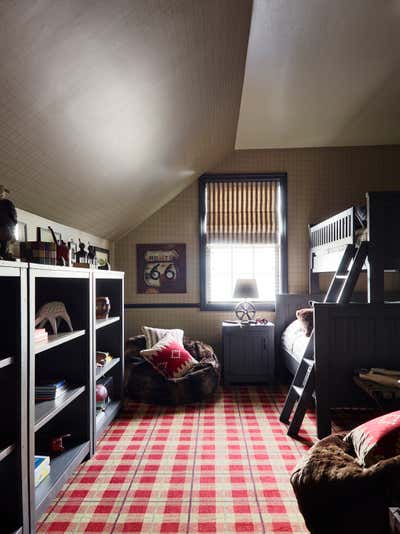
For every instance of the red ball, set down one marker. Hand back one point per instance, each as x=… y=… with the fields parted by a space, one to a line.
x=101 y=393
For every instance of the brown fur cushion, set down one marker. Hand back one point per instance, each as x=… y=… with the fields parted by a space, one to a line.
x=336 y=495
x=144 y=384
x=306 y=319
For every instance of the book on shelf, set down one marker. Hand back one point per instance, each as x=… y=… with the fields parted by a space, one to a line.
x=50 y=390
x=41 y=335
x=42 y=468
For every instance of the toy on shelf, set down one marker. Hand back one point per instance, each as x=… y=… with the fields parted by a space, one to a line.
x=57 y=445
x=63 y=254
x=53 y=312
x=81 y=255
x=91 y=255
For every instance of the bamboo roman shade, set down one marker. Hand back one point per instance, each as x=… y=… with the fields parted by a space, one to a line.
x=242 y=211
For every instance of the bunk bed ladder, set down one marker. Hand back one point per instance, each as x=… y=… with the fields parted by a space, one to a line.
x=301 y=391
x=341 y=274
x=340 y=290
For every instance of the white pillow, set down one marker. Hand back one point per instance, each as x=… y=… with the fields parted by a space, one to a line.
x=153 y=335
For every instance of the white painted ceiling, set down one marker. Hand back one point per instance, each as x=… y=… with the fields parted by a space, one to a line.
x=321 y=73
x=109 y=108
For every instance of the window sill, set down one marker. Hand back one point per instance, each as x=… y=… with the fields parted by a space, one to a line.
x=230 y=306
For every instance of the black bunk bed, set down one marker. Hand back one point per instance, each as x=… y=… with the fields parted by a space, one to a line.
x=378 y=223
x=347 y=336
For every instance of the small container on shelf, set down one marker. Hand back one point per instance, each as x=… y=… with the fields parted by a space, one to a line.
x=103 y=307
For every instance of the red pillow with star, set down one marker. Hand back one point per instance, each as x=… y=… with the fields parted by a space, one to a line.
x=169 y=357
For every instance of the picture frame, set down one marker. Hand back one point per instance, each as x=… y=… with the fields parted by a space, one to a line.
x=44 y=235
x=161 y=268
x=21 y=232
x=102 y=256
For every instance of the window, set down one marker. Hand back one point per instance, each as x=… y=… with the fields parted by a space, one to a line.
x=242 y=235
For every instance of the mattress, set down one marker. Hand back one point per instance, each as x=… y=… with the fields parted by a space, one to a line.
x=294 y=340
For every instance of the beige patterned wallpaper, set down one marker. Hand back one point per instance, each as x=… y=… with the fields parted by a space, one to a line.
x=321 y=181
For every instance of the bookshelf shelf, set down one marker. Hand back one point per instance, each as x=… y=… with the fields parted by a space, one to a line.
x=61 y=468
x=46 y=410
x=109 y=339
x=58 y=339
x=101 y=323
x=101 y=371
x=6 y=451
x=103 y=419
x=4 y=362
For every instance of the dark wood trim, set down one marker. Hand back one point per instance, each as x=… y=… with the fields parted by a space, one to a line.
x=202 y=240
x=220 y=306
x=283 y=245
x=253 y=176
x=130 y=306
x=280 y=177
x=229 y=306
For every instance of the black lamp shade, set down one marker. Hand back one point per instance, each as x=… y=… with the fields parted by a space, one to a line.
x=246 y=288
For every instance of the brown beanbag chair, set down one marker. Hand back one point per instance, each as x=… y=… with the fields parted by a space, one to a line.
x=145 y=384
x=336 y=495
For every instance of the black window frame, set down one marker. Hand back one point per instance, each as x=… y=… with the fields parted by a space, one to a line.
x=280 y=177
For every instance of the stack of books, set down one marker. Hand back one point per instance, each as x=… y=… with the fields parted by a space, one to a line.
x=42 y=468
x=41 y=336
x=49 y=390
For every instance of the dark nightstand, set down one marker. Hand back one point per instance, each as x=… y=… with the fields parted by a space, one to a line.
x=248 y=353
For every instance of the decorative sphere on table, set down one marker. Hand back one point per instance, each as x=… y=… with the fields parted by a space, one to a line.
x=245 y=311
x=101 y=393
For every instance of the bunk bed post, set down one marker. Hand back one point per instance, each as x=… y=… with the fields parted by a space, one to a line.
x=376 y=255
x=313 y=278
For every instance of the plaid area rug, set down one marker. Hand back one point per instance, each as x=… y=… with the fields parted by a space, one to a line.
x=219 y=467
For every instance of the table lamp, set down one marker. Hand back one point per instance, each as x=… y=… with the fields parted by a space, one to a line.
x=245 y=288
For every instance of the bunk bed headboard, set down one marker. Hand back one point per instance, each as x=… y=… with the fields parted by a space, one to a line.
x=338 y=229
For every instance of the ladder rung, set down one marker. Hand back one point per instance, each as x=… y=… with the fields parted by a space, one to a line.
x=342 y=276
x=298 y=390
x=308 y=361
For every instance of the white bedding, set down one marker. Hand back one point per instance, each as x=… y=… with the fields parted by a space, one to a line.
x=294 y=340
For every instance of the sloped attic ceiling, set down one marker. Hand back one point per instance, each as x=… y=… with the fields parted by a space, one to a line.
x=109 y=108
x=321 y=73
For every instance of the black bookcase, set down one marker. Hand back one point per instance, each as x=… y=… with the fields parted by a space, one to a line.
x=13 y=386
x=108 y=337
x=29 y=426
x=67 y=355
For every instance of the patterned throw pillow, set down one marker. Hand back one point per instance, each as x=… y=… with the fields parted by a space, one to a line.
x=153 y=335
x=169 y=357
x=377 y=439
x=306 y=318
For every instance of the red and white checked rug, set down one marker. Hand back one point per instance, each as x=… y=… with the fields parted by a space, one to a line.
x=219 y=467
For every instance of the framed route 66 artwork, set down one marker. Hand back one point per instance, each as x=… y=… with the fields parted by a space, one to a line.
x=161 y=268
